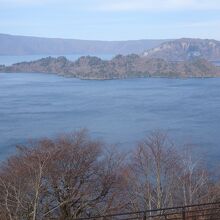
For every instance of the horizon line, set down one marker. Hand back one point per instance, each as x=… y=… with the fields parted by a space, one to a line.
x=140 y=39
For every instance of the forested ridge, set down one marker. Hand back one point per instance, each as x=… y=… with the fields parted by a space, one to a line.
x=120 y=67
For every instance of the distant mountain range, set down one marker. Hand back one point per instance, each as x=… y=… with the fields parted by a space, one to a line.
x=171 y=50
x=118 y=68
x=186 y=49
x=23 y=45
x=177 y=58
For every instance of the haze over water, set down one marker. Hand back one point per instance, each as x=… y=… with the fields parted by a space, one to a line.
x=116 y=111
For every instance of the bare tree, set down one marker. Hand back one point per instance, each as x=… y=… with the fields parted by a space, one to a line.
x=194 y=180
x=63 y=178
x=73 y=176
x=21 y=181
x=82 y=179
x=153 y=172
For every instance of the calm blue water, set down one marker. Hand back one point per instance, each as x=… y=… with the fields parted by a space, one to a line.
x=217 y=63
x=117 y=111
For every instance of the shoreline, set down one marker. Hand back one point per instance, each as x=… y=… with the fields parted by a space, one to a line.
x=122 y=78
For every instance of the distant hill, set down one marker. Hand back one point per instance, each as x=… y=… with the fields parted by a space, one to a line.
x=117 y=68
x=186 y=49
x=23 y=45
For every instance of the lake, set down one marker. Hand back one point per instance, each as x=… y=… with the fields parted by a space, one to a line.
x=119 y=112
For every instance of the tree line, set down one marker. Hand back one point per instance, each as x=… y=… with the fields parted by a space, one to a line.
x=74 y=176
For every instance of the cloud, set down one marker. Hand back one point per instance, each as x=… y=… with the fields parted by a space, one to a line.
x=158 y=5
x=123 y=5
x=17 y=3
x=77 y=4
x=22 y=1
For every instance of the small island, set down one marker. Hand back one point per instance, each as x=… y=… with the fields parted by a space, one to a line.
x=120 y=67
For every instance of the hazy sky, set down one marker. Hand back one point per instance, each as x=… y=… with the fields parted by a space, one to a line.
x=111 y=19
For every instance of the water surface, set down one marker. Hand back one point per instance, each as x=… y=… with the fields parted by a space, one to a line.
x=117 y=111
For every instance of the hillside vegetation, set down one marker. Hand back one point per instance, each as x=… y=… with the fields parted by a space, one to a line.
x=118 y=68
x=186 y=49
